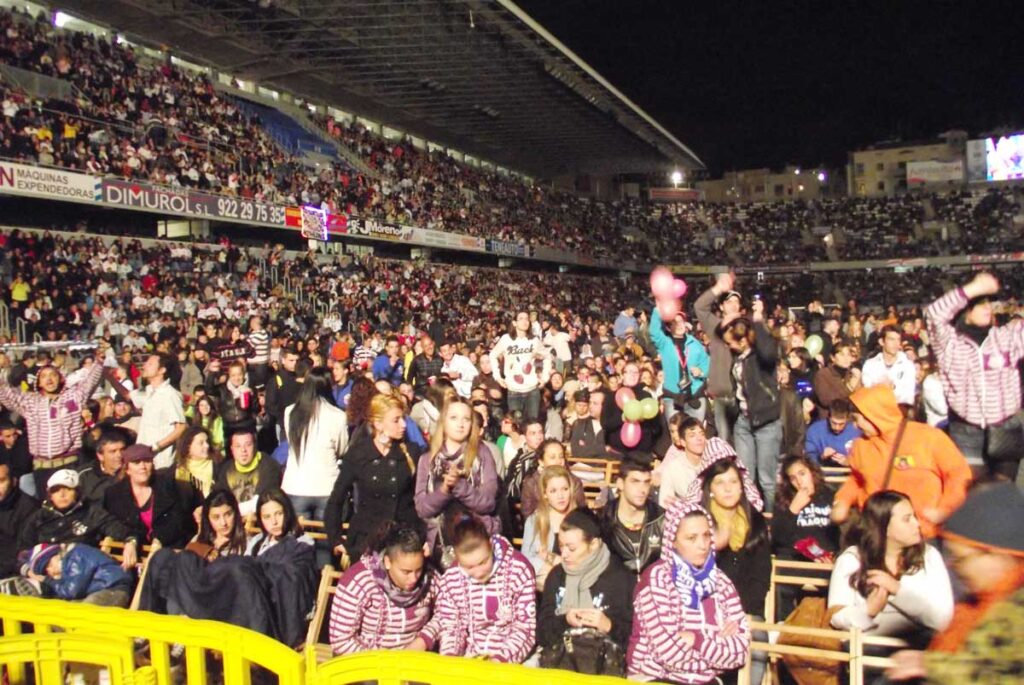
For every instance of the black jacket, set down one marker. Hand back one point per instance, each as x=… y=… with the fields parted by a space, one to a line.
x=750 y=571
x=17 y=458
x=93 y=483
x=81 y=522
x=230 y=409
x=617 y=539
x=382 y=489
x=760 y=385
x=611 y=423
x=422 y=369
x=613 y=590
x=15 y=511
x=282 y=389
x=173 y=526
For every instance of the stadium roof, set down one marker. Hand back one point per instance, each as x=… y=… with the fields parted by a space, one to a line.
x=477 y=75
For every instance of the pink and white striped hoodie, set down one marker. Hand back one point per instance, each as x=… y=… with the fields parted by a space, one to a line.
x=363 y=617
x=660 y=614
x=982 y=384
x=496 y=619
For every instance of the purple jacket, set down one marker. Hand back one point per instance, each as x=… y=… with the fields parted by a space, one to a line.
x=478 y=493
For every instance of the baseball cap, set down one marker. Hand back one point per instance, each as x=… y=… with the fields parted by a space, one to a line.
x=64 y=478
x=732 y=293
x=136 y=453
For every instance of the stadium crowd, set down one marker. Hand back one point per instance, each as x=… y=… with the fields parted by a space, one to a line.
x=153 y=121
x=556 y=470
x=430 y=422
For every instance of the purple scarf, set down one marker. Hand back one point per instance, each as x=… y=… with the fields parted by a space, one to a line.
x=374 y=562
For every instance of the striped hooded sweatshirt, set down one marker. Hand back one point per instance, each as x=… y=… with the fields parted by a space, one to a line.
x=717 y=449
x=496 y=618
x=981 y=382
x=363 y=617
x=661 y=613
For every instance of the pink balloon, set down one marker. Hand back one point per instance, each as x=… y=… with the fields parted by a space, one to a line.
x=661 y=282
x=678 y=288
x=630 y=434
x=623 y=395
x=668 y=309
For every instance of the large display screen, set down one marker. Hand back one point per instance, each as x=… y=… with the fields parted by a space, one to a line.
x=1004 y=157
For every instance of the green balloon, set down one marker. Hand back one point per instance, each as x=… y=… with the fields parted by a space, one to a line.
x=648 y=407
x=814 y=345
x=633 y=410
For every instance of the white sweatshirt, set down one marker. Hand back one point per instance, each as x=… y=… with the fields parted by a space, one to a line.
x=925 y=597
x=526 y=363
x=326 y=440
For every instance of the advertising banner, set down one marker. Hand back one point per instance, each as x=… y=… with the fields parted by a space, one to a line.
x=676 y=194
x=184 y=202
x=33 y=181
x=371 y=228
x=451 y=241
x=506 y=248
x=977 y=165
x=919 y=173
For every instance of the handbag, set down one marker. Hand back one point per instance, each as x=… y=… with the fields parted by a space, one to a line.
x=585 y=650
x=812 y=612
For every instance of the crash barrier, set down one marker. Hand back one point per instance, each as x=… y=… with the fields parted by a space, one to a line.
x=69 y=642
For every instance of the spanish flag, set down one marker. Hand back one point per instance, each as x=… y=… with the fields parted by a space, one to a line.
x=293 y=217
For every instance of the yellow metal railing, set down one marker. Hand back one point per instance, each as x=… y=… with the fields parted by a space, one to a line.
x=234 y=648
x=393 y=668
x=66 y=635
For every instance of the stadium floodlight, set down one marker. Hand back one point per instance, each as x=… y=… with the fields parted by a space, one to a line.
x=60 y=19
x=677 y=178
x=822 y=176
x=797 y=171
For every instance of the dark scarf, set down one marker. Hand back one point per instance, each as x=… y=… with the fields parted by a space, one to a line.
x=975 y=333
x=404 y=599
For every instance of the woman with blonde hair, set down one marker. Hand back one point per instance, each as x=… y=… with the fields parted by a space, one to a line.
x=382 y=469
x=456 y=475
x=540 y=542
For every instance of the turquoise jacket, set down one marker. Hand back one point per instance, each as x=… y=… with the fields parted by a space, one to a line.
x=696 y=356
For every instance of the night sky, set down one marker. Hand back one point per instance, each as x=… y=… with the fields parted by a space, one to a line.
x=766 y=82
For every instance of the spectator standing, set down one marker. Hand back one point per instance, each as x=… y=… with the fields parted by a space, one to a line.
x=163 y=416
x=521 y=365
x=459 y=370
x=53 y=416
x=758 y=429
x=892 y=365
x=381 y=468
x=317 y=434
x=388 y=366
x=685 y=362
x=978 y=365
x=720 y=386
x=425 y=367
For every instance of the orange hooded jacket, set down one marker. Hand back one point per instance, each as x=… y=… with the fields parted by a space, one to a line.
x=928 y=467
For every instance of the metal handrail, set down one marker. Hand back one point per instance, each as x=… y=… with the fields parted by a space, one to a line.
x=20 y=329
x=5 y=319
